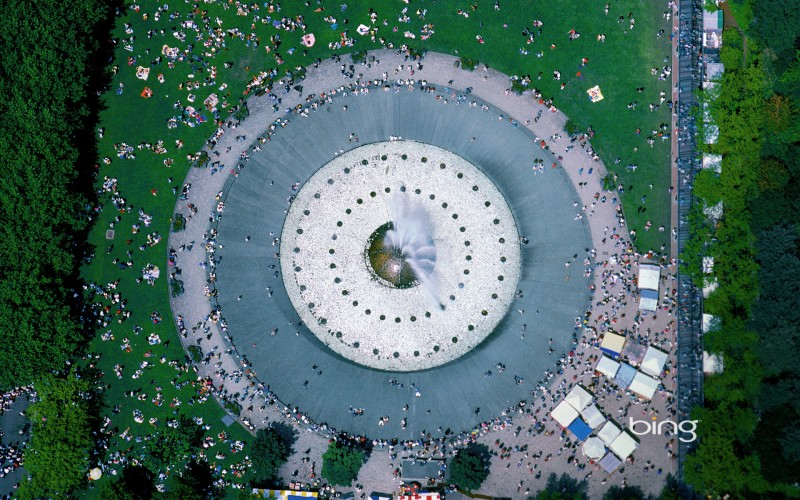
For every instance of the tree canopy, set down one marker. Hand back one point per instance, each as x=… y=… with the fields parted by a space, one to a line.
x=268 y=454
x=470 y=467
x=172 y=444
x=46 y=145
x=58 y=455
x=563 y=487
x=340 y=464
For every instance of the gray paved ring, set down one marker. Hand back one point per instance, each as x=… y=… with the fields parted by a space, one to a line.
x=304 y=373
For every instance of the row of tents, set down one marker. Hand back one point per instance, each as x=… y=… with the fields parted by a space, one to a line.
x=643 y=381
x=604 y=440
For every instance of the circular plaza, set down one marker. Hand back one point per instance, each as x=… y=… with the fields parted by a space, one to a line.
x=420 y=275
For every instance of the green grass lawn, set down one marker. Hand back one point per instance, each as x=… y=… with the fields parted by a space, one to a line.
x=619 y=65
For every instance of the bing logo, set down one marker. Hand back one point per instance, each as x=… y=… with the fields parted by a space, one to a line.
x=643 y=427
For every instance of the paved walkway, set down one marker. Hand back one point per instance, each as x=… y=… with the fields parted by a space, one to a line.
x=458 y=395
x=608 y=233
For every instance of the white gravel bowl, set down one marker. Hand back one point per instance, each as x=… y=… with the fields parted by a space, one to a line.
x=331 y=283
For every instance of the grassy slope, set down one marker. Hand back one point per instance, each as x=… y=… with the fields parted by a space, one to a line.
x=619 y=65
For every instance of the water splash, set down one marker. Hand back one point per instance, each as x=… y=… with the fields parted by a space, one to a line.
x=412 y=237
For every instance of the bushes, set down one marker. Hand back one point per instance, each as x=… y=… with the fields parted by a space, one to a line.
x=469 y=64
x=570 y=127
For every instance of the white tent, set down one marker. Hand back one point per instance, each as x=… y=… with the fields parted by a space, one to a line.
x=712 y=363
x=592 y=416
x=609 y=432
x=712 y=162
x=649 y=276
x=644 y=385
x=607 y=367
x=709 y=322
x=594 y=448
x=609 y=463
x=564 y=414
x=648 y=299
x=624 y=445
x=653 y=361
x=709 y=285
x=579 y=398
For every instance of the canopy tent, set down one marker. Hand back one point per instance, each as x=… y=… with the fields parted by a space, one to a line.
x=612 y=344
x=421 y=496
x=625 y=375
x=713 y=73
x=648 y=299
x=610 y=463
x=644 y=385
x=607 y=367
x=712 y=20
x=712 y=363
x=712 y=162
x=709 y=322
x=633 y=352
x=564 y=414
x=592 y=416
x=653 y=362
x=579 y=398
x=649 y=276
x=594 y=448
x=609 y=432
x=624 y=445
x=709 y=285
x=580 y=429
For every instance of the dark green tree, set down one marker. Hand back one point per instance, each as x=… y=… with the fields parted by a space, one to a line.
x=46 y=141
x=269 y=454
x=563 y=487
x=340 y=464
x=470 y=467
x=172 y=444
x=675 y=490
x=625 y=493
x=776 y=24
x=57 y=457
x=195 y=482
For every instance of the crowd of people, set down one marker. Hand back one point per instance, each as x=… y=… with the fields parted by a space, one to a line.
x=509 y=435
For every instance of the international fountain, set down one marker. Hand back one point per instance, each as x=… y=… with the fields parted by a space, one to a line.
x=402 y=252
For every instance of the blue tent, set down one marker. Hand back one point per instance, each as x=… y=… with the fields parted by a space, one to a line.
x=625 y=375
x=580 y=428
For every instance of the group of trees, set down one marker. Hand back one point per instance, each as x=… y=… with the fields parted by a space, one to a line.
x=749 y=439
x=47 y=149
x=566 y=487
x=59 y=452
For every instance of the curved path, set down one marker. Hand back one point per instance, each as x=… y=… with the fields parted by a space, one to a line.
x=460 y=394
